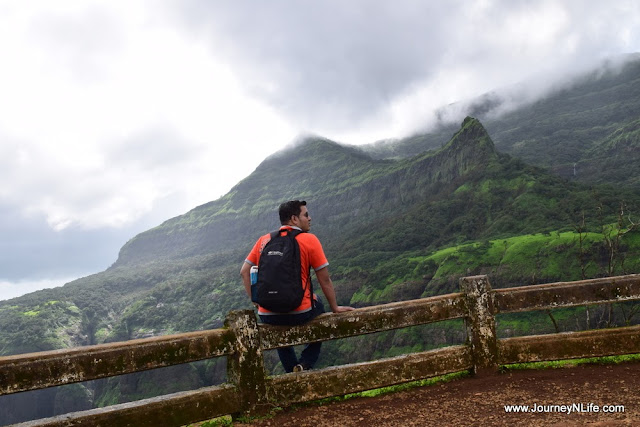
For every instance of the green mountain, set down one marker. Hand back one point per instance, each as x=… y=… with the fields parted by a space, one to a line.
x=321 y=171
x=398 y=221
x=585 y=130
x=581 y=132
x=372 y=215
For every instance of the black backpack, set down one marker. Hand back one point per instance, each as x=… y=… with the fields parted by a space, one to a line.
x=279 y=286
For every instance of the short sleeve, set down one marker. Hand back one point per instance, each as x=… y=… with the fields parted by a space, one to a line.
x=254 y=256
x=317 y=258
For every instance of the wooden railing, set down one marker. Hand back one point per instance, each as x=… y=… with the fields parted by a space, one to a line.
x=243 y=341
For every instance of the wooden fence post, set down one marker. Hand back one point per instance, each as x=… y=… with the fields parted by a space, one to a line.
x=245 y=366
x=481 y=324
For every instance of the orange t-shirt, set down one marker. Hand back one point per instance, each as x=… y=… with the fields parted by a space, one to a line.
x=311 y=256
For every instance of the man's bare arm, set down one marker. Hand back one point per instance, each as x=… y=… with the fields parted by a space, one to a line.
x=329 y=292
x=245 y=272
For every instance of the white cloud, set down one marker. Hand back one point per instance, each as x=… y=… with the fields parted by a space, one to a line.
x=91 y=79
x=10 y=290
x=117 y=115
x=109 y=107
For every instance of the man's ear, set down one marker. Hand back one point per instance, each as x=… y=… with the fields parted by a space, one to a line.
x=291 y=221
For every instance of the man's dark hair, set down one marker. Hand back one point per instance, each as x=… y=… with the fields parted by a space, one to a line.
x=289 y=209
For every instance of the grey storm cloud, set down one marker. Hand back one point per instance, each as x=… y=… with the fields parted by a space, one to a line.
x=339 y=60
x=28 y=247
x=342 y=63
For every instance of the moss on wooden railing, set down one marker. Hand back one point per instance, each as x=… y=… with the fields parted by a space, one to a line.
x=243 y=342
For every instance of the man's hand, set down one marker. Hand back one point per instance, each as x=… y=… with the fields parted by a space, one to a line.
x=327 y=288
x=343 y=309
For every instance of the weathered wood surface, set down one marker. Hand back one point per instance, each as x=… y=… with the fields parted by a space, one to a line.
x=244 y=341
x=245 y=365
x=570 y=345
x=172 y=410
x=481 y=323
x=366 y=320
x=568 y=294
x=51 y=368
x=339 y=380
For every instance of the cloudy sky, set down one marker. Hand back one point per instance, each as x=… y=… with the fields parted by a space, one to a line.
x=117 y=115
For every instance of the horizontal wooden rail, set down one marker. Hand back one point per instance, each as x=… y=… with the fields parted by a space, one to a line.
x=570 y=345
x=567 y=294
x=250 y=390
x=365 y=321
x=177 y=409
x=340 y=380
x=52 y=368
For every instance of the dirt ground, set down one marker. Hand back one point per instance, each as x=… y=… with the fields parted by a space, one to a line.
x=477 y=401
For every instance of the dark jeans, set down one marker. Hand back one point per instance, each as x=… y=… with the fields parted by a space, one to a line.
x=311 y=352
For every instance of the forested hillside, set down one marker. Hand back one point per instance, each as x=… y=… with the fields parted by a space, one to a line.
x=398 y=221
x=585 y=130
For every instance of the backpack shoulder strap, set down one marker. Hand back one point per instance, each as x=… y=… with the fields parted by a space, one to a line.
x=290 y=232
x=293 y=233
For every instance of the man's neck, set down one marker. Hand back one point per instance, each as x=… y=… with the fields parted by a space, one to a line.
x=291 y=226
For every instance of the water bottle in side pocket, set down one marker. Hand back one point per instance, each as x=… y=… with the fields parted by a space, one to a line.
x=254 y=281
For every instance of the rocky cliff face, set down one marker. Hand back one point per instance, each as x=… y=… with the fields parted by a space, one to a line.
x=325 y=173
x=378 y=220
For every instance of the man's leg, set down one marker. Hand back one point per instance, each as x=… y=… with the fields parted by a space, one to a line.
x=310 y=355
x=287 y=355
x=288 y=358
x=311 y=352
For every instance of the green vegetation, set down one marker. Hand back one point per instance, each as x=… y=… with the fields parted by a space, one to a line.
x=397 y=221
x=607 y=360
x=217 y=422
x=587 y=132
x=513 y=261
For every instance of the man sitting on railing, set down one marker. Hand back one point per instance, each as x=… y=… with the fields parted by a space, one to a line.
x=295 y=216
